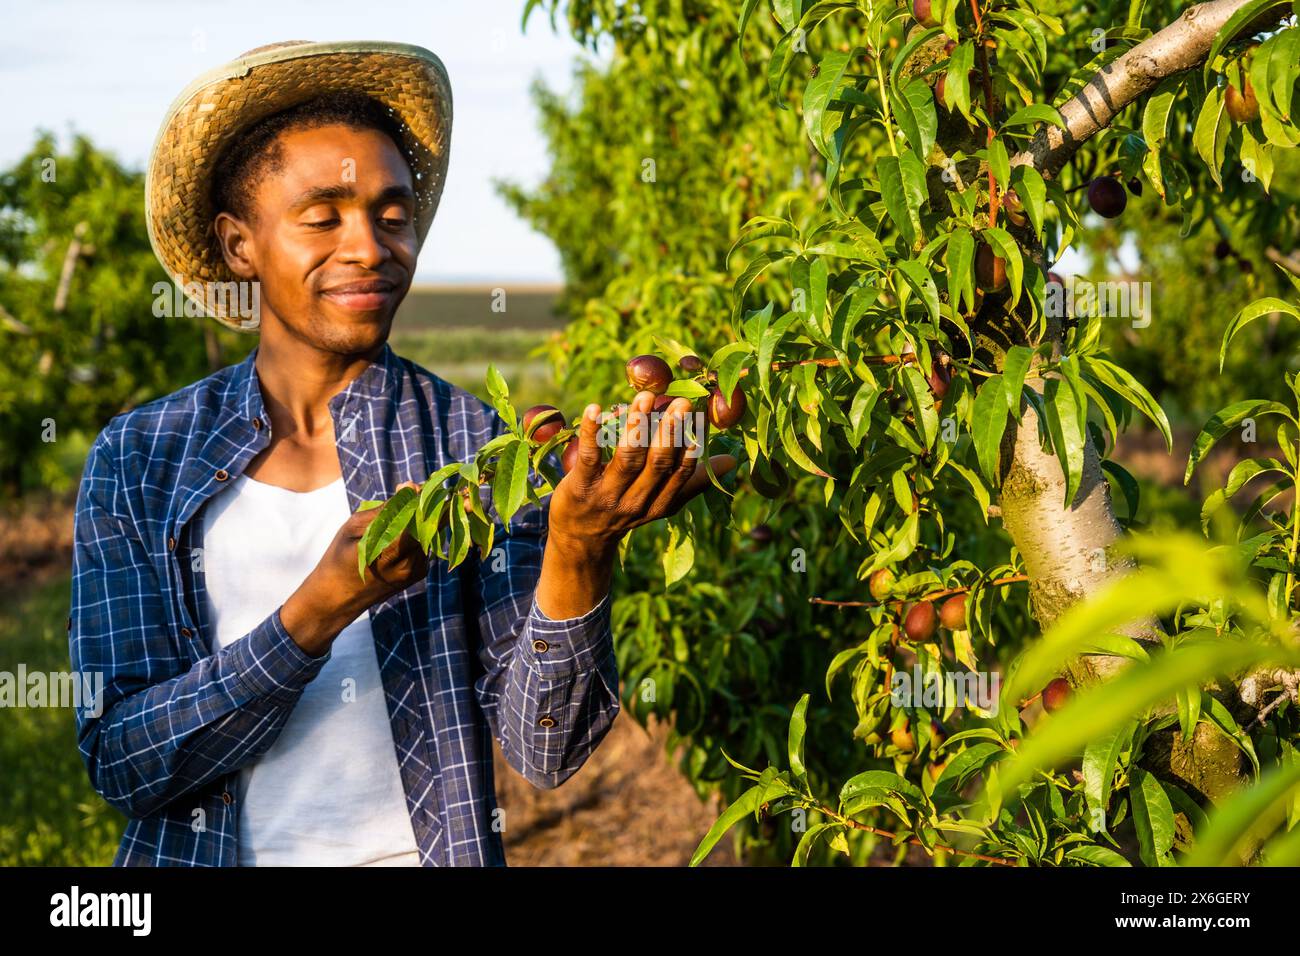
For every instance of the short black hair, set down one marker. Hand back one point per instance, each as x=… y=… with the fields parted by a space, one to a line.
x=256 y=150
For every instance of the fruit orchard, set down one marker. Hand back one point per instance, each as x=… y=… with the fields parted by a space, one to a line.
x=837 y=226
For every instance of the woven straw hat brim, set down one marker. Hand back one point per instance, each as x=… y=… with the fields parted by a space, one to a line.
x=213 y=110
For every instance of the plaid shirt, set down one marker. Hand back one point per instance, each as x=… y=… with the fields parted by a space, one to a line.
x=465 y=656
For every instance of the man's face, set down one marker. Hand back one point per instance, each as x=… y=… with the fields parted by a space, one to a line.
x=332 y=237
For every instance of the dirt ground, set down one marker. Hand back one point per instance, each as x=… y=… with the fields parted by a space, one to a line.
x=627 y=806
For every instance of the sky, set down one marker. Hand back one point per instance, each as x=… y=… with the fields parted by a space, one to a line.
x=111 y=69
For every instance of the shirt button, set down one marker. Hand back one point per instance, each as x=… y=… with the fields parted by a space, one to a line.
x=186 y=632
x=540 y=646
x=547 y=722
x=221 y=474
x=257 y=424
x=226 y=798
x=171 y=544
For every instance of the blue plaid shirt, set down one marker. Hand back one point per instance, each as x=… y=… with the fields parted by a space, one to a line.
x=465 y=656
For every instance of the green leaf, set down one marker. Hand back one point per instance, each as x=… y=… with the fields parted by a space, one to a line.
x=960 y=259
x=790 y=442
x=906 y=52
x=798 y=724
x=686 y=388
x=1241 y=473
x=806 y=842
x=1155 y=115
x=1265 y=306
x=956 y=88
x=758 y=228
x=893 y=192
x=1100 y=758
x=1218 y=715
x=1000 y=162
x=988 y=423
x=1006 y=248
x=919 y=101
x=771 y=338
x=1223 y=422
x=1211 y=134
x=902 y=187
x=818 y=93
x=1032 y=190
x=679 y=557
x=1035 y=113
x=757 y=266
x=1062 y=420
x=1128 y=485
x=922 y=399
x=871 y=784
x=509 y=484
x=919 y=279
x=966 y=764
x=1233 y=26
x=1096 y=856
x=744 y=805
x=1015 y=366
x=1121 y=380
x=983 y=495
x=745 y=13
x=499 y=393
x=384 y=529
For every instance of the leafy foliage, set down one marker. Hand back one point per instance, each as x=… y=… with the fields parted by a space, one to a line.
x=106 y=349
x=852 y=282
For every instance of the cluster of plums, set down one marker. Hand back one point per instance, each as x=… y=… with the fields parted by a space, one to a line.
x=650 y=373
x=645 y=373
x=902 y=738
x=922 y=621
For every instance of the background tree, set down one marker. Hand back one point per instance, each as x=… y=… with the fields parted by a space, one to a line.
x=77 y=311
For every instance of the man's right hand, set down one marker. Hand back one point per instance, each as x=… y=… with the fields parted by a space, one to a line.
x=333 y=595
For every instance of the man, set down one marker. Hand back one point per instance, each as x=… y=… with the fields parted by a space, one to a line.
x=264 y=704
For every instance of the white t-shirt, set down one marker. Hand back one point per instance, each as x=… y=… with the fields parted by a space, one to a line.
x=328 y=792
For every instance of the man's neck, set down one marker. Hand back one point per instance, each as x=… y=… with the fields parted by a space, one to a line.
x=298 y=380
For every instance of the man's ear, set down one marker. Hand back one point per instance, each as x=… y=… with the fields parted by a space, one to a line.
x=236 y=239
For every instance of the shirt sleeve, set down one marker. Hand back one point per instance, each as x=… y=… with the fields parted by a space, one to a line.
x=162 y=727
x=550 y=688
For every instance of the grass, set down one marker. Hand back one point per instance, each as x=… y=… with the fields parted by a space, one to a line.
x=49 y=814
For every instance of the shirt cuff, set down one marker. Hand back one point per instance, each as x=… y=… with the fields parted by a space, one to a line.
x=270 y=664
x=559 y=648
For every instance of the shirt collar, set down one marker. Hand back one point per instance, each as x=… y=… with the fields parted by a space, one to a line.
x=379 y=378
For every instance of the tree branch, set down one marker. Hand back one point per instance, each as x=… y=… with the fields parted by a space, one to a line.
x=1183 y=45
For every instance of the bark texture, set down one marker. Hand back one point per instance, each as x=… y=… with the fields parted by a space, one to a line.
x=1181 y=46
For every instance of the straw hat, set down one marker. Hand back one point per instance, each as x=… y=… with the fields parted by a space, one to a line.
x=217 y=106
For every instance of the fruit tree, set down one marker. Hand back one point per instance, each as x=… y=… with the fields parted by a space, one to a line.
x=837 y=225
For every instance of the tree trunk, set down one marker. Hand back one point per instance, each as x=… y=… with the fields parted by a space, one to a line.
x=1069 y=552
